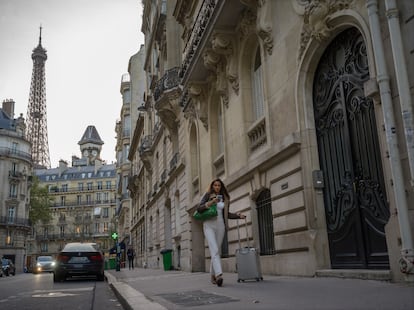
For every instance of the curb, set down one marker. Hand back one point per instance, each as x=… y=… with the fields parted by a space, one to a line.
x=130 y=298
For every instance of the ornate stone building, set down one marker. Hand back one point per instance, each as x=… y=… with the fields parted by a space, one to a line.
x=15 y=179
x=304 y=109
x=132 y=91
x=84 y=201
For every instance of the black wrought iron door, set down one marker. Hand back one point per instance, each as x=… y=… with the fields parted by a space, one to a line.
x=354 y=194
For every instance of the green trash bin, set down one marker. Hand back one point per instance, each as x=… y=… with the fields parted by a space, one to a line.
x=167 y=259
x=112 y=263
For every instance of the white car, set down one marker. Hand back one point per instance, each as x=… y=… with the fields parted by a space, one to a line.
x=44 y=264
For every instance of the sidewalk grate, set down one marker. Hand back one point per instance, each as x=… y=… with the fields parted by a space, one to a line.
x=195 y=298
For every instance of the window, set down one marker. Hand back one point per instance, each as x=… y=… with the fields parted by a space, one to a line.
x=108 y=184
x=98 y=197
x=88 y=199
x=89 y=186
x=265 y=219
x=14 y=148
x=14 y=168
x=194 y=160
x=62 y=200
x=257 y=87
x=220 y=133
x=62 y=231
x=126 y=152
x=64 y=187
x=80 y=186
x=106 y=197
x=13 y=190
x=105 y=212
x=11 y=213
x=97 y=228
x=43 y=247
x=79 y=199
x=99 y=184
x=106 y=226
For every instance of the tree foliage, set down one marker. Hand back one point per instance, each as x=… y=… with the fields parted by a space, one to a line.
x=40 y=203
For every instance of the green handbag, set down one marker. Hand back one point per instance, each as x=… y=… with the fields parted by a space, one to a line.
x=207 y=214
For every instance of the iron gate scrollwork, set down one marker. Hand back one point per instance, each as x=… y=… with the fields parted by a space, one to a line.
x=354 y=195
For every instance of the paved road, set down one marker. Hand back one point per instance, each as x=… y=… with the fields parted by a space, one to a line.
x=158 y=289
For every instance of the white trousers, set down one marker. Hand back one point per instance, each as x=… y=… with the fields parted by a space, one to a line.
x=214 y=233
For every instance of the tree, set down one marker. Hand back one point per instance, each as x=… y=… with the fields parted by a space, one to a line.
x=40 y=203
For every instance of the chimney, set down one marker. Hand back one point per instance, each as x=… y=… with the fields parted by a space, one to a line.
x=8 y=107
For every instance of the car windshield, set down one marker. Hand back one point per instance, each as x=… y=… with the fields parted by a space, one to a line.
x=44 y=259
x=79 y=247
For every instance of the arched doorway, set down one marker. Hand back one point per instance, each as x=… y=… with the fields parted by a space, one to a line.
x=354 y=195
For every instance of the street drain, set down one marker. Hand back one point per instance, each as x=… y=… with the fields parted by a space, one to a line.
x=196 y=298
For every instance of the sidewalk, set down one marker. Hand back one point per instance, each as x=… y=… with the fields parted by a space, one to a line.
x=158 y=289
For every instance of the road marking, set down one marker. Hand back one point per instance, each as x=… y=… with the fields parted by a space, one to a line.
x=57 y=294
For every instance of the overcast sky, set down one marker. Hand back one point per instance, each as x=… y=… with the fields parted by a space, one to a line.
x=88 y=43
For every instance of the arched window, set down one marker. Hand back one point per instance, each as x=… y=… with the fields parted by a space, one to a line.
x=220 y=133
x=256 y=131
x=257 y=86
x=217 y=136
x=265 y=220
x=194 y=160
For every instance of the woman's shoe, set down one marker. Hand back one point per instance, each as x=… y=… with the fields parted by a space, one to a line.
x=213 y=279
x=219 y=280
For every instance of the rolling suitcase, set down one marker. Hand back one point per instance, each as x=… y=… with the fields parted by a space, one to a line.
x=247 y=260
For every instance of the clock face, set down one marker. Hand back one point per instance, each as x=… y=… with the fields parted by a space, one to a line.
x=94 y=152
x=85 y=153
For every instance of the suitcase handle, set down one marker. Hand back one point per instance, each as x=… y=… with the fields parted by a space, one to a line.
x=247 y=233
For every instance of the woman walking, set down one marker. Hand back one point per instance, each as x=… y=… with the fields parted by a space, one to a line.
x=215 y=228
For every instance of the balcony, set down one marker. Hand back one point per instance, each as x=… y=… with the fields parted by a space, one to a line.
x=257 y=135
x=9 y=152
x=212 y=33
x=16 y=175
x=14 y=221
x=167 y=92
x=133 y=185
x=145 y=152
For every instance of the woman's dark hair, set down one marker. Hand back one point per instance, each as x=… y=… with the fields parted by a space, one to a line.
x=223 y=189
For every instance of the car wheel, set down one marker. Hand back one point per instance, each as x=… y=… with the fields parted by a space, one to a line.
x=100 y=277
x=57 y=278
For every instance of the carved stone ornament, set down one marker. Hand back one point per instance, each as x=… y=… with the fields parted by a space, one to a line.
x=259 y=12
x=223 y=43
x=198 y=98
x=216 y=64
x=264 y=26
x=247 y=22
x=316 y=17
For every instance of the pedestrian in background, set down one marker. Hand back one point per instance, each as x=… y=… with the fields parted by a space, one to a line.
x=214 y=228
x=131 y=255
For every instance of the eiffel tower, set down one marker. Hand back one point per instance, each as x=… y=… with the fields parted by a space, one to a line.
x=36 y=110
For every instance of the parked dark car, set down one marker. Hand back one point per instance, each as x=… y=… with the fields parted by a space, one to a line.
x=44 y=264
x=79 y=259
x=8 y=267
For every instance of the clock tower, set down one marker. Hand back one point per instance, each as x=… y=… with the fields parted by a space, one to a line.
x=91 y=145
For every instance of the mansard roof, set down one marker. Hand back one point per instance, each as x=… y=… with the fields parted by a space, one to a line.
x=91 y=136
x=5 y=121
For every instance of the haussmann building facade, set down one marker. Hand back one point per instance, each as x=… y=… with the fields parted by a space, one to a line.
x=303 y=109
